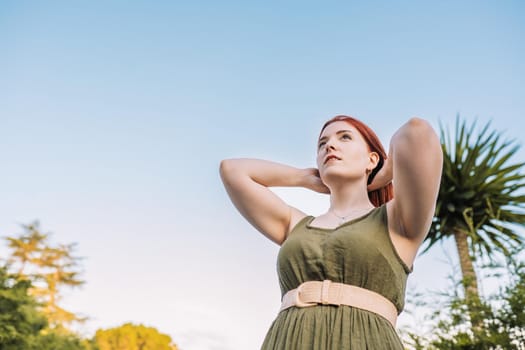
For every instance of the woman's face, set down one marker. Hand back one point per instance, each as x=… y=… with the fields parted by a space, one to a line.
x=343 y=152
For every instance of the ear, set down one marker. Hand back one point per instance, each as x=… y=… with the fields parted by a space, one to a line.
x=373 y=160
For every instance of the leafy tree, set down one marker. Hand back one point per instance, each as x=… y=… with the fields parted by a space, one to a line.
x=133 y=337
x=480 y=203
x=58 y=268
x=502 y=326
x=22 y=326
x=49 y=268
x=19 y=318
x=25 y=247
x=56 y=341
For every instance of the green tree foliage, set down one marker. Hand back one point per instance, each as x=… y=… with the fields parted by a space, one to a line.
x=56 y=341
x=502 y=315
x=18 y=316
x=30 y=317
x=133 y=337
x=22 y=326
x=480 y=201
x=25 y=247
x=49 y=268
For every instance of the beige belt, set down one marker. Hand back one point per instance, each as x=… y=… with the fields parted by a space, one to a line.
x=326 y=292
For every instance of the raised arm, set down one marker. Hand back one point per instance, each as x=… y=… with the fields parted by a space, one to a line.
x=247 y=182
x=414 y=163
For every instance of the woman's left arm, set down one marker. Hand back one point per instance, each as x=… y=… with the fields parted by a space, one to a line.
x=414 y=165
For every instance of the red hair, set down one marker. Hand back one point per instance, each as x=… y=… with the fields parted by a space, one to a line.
x=386 y=193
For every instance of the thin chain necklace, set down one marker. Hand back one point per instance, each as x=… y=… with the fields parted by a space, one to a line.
x=342 y=219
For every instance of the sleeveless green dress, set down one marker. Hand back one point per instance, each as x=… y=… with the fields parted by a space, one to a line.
x=358 y=252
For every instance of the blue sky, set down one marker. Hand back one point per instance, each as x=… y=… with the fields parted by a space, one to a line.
x=114 y=117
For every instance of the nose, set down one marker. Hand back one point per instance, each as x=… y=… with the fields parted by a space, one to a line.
x=329 y=145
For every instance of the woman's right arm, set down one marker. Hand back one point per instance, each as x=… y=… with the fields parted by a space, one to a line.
x=247 y=182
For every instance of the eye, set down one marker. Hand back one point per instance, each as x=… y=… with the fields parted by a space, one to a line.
x=321 y=144
x=347 y=136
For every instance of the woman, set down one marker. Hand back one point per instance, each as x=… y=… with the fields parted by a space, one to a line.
x=343 y=274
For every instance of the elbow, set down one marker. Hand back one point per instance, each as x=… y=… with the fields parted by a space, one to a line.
x=225 y=171
x=419 y=123
x=421 y=129
x=226 y=166
x=417 y=135
x=229 y=168
x=425 y=137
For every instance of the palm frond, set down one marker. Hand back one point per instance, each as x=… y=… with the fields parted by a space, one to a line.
x=481 y=192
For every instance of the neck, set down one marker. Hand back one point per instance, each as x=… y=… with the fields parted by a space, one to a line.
x=348 y=198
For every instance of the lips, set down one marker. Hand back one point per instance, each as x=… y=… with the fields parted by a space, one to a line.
x=331 y=156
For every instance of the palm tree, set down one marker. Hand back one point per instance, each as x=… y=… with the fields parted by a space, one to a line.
x=481 y=202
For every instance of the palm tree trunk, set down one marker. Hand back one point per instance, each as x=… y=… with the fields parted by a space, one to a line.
x=470 y=282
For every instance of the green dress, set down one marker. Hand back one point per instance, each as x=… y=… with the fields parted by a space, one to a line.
x=358 y=252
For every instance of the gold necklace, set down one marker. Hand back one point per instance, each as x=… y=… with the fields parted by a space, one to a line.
x=343 y=218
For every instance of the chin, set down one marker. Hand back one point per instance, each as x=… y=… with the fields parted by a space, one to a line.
x=334 y=174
